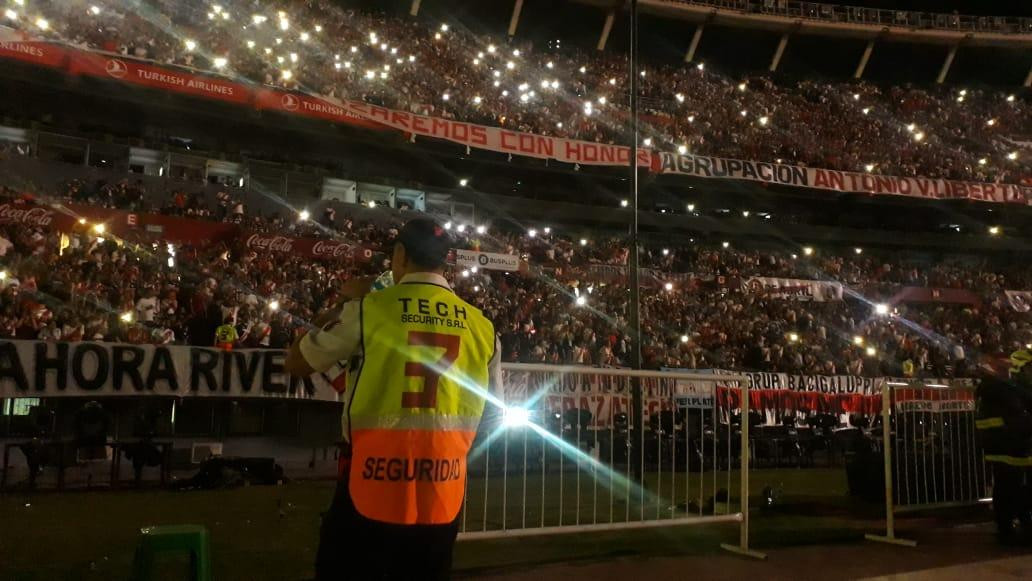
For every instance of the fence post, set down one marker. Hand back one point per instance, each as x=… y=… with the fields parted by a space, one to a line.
x=742 y=548
x=890 y=505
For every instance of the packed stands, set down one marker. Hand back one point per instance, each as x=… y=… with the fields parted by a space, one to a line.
x=941 y=132
x=569 y=306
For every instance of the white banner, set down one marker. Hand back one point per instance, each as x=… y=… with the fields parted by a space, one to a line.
x=794 y=289
x=840 y=181
x=936 y=406
x=604 y=396
x=826 y=384
x=86 y=369
x=1020 y=301
x=487 y=260
x=695 y=394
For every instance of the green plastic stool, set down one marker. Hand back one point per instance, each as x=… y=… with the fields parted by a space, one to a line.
x=173 y=539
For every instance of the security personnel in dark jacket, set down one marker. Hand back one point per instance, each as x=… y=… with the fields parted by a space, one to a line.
x=1004 y=424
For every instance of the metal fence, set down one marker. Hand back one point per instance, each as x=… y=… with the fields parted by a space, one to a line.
x=875 y=16
x=930 y=449
x=579 y=459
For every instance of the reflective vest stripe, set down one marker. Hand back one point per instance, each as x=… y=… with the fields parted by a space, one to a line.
x=1009 y=460
x=988 y=423
x=417 y=403
x=415 y=422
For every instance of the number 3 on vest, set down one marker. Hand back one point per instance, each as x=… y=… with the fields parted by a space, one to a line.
x=430 y=372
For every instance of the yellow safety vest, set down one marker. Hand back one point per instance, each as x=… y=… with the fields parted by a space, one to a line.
x=417 y=402
x=908 y=368
x=225 y=334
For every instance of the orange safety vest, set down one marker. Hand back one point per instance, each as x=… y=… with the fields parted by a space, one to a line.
x=417 y=402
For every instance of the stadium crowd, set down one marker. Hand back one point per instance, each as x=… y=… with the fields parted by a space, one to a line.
x=570 y=306
x=317 y=46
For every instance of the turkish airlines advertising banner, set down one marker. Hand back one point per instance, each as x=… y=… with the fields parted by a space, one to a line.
x=840 y=181
x=309 y=106
x=40 y=53
x=158 y=77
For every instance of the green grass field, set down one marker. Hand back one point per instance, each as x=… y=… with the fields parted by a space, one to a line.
x=271 y=532
x=600 y=497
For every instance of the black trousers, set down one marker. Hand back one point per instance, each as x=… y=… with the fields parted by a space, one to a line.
x=1010 y=497
x=354 y=547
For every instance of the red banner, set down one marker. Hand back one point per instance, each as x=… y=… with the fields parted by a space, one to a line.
x=132 y=227
x=40 y=53
x=309 y=106
x=147 y=228
x=306 y=247
x=920 y=294
x=148 y=75
x=783 y=400
x=34 y=216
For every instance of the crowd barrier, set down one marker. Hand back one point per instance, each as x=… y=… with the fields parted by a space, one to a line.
x=581 y=460
x=577 y=459
x=932 y=458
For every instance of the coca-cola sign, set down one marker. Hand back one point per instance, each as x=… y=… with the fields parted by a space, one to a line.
x=270 y=243
x=31 y=215
x=331 y=248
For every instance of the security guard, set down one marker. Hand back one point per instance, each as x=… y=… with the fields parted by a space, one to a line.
x=226 y=335
x=419 y=360
x=908 y=367
x=1004 y=424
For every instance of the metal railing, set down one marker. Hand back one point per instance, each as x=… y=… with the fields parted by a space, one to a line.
x=875 y=16
x=581 y=460
x=932 y=458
